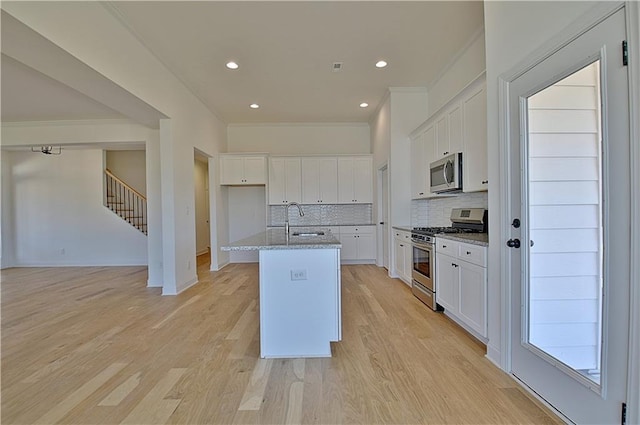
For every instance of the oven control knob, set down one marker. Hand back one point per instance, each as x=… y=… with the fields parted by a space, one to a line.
x=513 y=243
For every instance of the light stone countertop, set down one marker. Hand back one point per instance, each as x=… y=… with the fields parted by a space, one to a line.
x=403 y=228
x=481 y=239
x=276 y=239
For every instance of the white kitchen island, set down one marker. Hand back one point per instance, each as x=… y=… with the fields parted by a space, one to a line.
x=300 y=292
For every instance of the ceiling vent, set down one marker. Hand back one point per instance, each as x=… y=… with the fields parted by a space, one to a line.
x=336 y=67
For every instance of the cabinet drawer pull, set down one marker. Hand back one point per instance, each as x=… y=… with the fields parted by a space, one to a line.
x=468 y=253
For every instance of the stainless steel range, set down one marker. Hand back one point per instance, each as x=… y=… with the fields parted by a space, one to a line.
x=463 y=220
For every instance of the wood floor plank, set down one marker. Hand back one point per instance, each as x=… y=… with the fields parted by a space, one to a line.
x=194 y=358
x=254 y=394
x=121 y=392
x=154 y=408
x=65 y=406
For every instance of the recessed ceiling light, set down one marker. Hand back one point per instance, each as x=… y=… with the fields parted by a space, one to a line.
x=254 y=106
x=381 y=64
x=232 y=65
x=364 y=104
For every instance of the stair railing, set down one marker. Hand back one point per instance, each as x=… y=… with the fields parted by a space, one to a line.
x=125 y=201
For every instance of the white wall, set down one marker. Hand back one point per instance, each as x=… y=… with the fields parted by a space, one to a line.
x=468 y=64
x=92 y=34
x=408 y=109
x=201 y=182
x=513 y=32
x=6 y=201
x=94 y=134
x=247 y=216
x=130 y=167
x=58 y=213
x=305 y=138
x=381 y=136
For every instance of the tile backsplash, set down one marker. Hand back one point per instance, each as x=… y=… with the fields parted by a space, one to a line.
x=436 y=211
x=325 y=215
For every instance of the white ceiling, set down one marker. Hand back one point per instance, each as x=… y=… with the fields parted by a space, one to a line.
x=285 y=51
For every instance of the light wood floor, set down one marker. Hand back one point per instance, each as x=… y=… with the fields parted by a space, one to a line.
x=94 y=345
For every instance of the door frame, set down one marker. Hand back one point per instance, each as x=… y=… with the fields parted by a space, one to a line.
x=596 y=15
x=380 y=216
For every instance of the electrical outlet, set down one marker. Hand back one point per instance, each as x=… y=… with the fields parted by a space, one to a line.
x=298 y=275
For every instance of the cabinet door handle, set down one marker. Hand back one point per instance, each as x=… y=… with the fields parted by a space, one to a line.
x=485 y=181
x=421 y=193
x=468 y=253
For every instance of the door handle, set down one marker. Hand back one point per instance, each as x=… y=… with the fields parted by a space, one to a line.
x=513 y=243
x=382 y=222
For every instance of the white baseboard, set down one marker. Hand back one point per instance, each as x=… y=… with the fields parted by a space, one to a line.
x=186 y=286
x=350 y=262
x=220 y=267
x=154 y=284
x=493 y=355
x=75 y=264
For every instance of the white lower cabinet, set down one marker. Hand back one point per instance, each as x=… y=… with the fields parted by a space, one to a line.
x=403 y=252
x=358 y=244
x=461 y=284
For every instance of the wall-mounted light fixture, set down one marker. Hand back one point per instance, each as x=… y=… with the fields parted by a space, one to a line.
x=48 y=150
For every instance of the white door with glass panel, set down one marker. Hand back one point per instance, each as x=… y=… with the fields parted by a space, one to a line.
x=569 y=256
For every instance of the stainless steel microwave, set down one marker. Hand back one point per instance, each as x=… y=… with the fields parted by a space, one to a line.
x=446 y=174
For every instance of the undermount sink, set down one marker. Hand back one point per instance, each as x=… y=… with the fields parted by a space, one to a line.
x=307 y=234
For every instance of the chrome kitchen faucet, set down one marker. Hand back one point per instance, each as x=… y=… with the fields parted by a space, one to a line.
x=286 y=216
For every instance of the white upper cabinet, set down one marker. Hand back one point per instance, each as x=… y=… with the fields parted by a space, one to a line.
x=454 y=118
x=442 y=136
x=355 y=180
x=474 y=162
x=418 y=171
x=460 y=126
x=320 y=180
x=449 y=132
x=243 y=170
x=285 y=180
x=423 y=148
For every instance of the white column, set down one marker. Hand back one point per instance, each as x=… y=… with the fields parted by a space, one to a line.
x=154 y=212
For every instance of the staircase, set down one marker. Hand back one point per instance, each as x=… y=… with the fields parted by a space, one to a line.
x=125 y=201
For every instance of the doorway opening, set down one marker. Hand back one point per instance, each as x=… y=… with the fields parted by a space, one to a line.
x=201 y=209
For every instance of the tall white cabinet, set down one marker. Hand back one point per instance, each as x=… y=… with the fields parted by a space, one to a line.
x=355 y=180
x=320 y=180
x=285 y=180
x=474 y=129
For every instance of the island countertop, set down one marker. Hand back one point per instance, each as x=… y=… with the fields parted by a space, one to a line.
x=276 y=239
